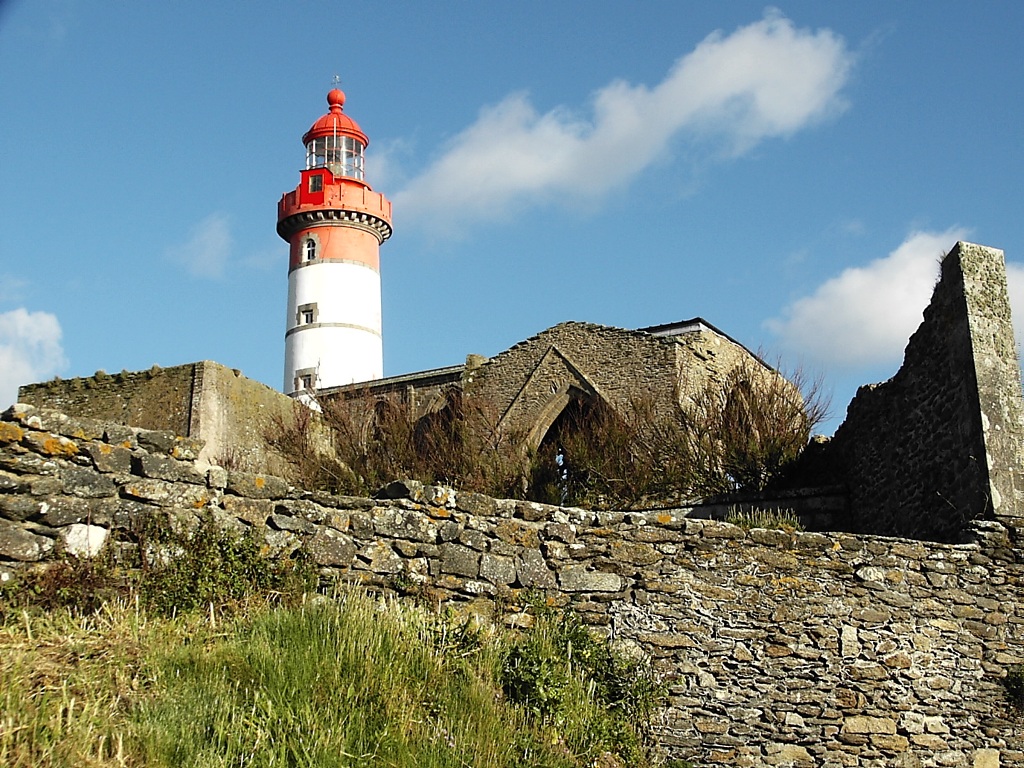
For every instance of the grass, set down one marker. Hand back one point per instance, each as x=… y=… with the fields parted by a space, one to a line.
x=217 y=656
x=342 y=683
x=350 y=681
x=771 y=519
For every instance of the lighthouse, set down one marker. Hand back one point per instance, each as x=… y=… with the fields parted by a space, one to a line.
x=334 y=224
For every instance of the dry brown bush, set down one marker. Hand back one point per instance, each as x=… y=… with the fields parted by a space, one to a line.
x=738 y=433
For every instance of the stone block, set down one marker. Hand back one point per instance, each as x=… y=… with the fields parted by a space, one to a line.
x=460 y=560
x=789 y=755
x=19 y=544
x=9 y=482
x=87 y=483
x=477 y=504
x=380 y=558
x=533 y=512
x=985 y=758
x=186 y=448
x=46 y=486
x=18 y=508
x=257 y=486
x=532 y=571
x=83 y=540
x=890 y=742
x=497 y=570
x=165 y=494
x=166 y=468
x=578 y=579
x=302 y=509
x=869 y=725
x=57 y=511
x=518 y=533
x=280 y=543
x=109 y=458
x=253 y=511
x=28 y=464
x=48 y=444
x=473 y=539
x=330 y=548
x=120 y=435
x=634 y=553
x=157 y=441
x=10 y=433
x=217 y=477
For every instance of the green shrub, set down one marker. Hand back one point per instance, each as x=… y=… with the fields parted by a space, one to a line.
x=212 y=565
x=591 y=699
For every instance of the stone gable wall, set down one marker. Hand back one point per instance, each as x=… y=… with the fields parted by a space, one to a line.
x=939 y=444
x=531 y=379
x=779 y=649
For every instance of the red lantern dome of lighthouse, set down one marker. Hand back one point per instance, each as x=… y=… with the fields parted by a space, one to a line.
x=336 y=142
x=335 y=122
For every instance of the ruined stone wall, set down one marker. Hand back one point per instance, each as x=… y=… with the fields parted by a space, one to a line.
x=939 y=444
x=235 y=416
x=529 y=383
x=159 y=398
x=229 y=413
x=779 y=649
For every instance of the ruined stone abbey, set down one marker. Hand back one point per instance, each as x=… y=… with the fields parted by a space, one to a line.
x=879 y=637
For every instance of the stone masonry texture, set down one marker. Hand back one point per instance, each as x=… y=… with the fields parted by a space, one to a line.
x=939 y=444
x=530 y=383
x=229 y=413
x=778 y=648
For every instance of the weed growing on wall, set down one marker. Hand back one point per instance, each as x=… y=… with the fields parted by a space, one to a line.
x=168 y=570
x=772 y=519
x=84 y=584
x=747 y=430
x=211 y=565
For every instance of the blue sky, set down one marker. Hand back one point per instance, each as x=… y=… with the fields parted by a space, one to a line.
x=790 y=173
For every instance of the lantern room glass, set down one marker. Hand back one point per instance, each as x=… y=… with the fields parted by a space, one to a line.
x=341 y=155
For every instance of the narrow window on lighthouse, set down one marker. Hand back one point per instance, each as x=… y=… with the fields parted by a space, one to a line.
x=305 y=378
x=316 y=183
x=307 y=313
x=310 y=249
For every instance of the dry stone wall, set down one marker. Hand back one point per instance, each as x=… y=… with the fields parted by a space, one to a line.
x=779 y=649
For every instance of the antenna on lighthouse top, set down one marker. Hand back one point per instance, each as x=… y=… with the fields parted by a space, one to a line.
x=335 y=81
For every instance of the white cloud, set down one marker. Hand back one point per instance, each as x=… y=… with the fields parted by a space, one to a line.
x=865 y=316
x=764 y=80
x=30 y=350
x=206 y=252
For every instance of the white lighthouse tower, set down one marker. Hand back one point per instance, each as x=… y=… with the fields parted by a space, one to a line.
x=335 y=225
